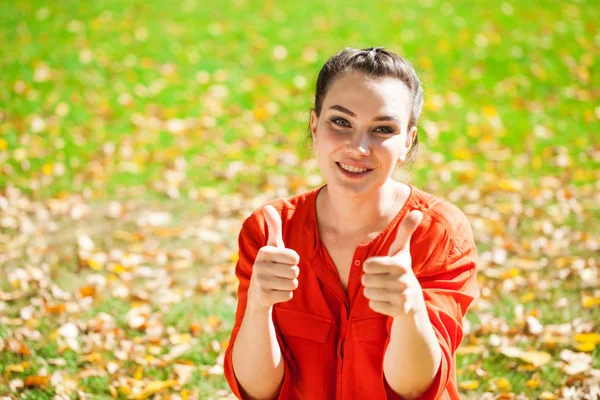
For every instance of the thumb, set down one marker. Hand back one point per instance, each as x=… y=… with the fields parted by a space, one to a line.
x=274 y=225
x=407 y=227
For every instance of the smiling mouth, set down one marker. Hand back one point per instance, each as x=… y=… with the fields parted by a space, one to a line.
x=357 y=172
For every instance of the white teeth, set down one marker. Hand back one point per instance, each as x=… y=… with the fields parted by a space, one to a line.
x=351 y=168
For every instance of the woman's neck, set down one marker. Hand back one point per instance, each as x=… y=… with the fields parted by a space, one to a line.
x=358 y=216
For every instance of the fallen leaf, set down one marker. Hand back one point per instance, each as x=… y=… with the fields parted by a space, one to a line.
x=37 y=381
x=214 y=322
x=470 y=349
x=469 y=385
x=87 y=291
x=91 y=358
x=589 y=302
x=537 y=358
x=501 y=385
x=56 y=309
x=195 y=329
x=18 y=367
x=153 y=387
x=587 y=338
x=533 y=383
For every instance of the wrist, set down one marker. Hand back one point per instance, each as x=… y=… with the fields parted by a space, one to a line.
x=416 y=313
x=257 y=308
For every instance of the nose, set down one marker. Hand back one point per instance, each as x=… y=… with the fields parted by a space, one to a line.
x=359 y=143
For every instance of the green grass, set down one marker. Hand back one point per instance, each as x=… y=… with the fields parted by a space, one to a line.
x=89 y=90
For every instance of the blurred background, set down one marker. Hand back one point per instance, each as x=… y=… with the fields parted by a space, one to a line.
x=136 y=136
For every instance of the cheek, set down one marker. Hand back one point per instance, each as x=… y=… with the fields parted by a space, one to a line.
x=331 y=139
x=393 y=146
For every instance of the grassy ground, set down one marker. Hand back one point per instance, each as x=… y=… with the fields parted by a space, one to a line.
x=151 y=130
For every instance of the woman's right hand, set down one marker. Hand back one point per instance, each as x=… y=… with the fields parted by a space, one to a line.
x=275 y=271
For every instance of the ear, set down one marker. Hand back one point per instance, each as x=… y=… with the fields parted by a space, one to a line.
x=410 y=137
x=314 y=120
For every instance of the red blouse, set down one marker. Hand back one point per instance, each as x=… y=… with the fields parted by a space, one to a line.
x=332 y=343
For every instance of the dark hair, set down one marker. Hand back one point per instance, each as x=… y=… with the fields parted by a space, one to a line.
x=378 y=63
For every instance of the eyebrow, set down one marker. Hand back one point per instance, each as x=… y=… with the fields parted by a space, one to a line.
x=378 y=118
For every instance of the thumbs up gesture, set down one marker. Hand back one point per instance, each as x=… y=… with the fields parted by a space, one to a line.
x=389 y=282
x=275 y=271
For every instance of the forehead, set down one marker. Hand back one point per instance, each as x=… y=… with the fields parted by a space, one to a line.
x=367 y=95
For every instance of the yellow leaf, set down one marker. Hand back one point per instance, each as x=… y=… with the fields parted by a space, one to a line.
x=582 y=175
x=260 y=113
x=52 y=336
x=589 y=302
x=124 y=390
x=490 y=111
x=473 y=131
x=467 y=176
x=119 y=268
x=153 y=387
x=527 y=297
x=536 y=163
x=587 y=347
x=533 y=383
x=47 y=169
x=139 y=373
x=139 y=159
x=180 y=338
x=149 y=358
x=213 y=321
x=3 y=144
x=500 y=385
x=507 y=185
x=92 y=358
x=469 y=385
x=588 y=337
x=93 y=264
x=18 y=367
x=462 y=154
x=511 y=273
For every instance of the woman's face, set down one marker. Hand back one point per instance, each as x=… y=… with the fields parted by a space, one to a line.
x=363 y=124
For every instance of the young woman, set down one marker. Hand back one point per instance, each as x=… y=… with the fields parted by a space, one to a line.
x=356 y=289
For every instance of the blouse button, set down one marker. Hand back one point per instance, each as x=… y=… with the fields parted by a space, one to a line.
x=357 y=262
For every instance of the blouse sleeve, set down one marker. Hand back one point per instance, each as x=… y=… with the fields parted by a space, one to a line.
x=250 y=240
x=445 y=264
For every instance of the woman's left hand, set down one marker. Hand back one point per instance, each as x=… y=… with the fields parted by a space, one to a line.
x=389 y=282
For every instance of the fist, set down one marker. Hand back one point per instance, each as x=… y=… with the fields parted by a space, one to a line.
x=275 y=271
